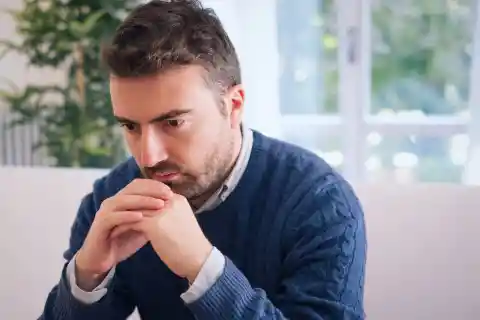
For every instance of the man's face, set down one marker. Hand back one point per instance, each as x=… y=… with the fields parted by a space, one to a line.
x=176 y=129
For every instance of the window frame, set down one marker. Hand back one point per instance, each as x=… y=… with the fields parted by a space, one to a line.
x=354 y=122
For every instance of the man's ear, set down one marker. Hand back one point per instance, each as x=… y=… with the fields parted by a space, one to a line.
x=236 y=101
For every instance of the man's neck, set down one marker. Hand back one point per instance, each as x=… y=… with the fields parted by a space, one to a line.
x=197 y=202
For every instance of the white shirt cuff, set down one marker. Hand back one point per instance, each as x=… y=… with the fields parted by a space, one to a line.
x=211 y=270
x=84 y=296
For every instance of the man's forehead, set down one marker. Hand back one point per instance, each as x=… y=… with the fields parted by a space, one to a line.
x=193 y=72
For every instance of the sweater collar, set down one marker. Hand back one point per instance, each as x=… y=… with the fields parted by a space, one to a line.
x=232 y=180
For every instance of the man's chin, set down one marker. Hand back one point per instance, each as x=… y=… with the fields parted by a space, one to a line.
x=188 y=189
x=182 y=189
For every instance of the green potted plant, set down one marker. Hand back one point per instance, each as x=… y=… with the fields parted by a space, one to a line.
x=77 y=128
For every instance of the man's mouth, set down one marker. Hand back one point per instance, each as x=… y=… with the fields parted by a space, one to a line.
x=165 y=176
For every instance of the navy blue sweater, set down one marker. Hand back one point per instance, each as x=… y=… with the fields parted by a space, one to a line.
x=292 y=233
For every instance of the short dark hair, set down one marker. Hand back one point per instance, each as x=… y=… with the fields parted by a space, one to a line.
x=161 y=35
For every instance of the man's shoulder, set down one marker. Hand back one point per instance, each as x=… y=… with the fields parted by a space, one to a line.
x=303 y=176
x=310 y=186
x=299 y=163
x=116 y=179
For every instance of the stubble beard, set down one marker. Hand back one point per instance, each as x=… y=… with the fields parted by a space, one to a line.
x=218 y=165
x=198 y=188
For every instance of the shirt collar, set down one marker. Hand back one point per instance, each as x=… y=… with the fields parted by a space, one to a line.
x=237 y=172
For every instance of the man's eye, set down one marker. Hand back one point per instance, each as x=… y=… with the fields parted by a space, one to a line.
x=174 y=123
x=128 y=126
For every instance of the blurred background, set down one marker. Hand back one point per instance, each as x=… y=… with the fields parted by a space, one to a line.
x=386 y=91
x=383 y=90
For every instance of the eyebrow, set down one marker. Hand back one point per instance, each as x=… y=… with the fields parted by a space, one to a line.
x=162 y=117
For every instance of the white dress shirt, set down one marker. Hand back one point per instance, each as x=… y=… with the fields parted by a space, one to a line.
x=215 y=263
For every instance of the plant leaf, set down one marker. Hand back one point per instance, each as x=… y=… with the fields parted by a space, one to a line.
x=92 y=20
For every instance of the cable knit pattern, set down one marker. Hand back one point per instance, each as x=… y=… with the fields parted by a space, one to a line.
x=292 y=232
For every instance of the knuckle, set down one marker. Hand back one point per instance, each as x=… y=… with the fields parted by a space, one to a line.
x=179 y=197
x=107 y=204
x=132 y=184
x=137 y=181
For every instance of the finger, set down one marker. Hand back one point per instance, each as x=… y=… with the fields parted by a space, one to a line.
x=130 y=242
x=135 y=202
x=121 y=217
x=120 y=230
x=134 y=226
x=150 y=213
x=124 y=228
x=148 y=187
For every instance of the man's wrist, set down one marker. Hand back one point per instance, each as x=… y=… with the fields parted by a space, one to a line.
x=85 y=278
x=199 y=261
x=88 y=282
x=87 y=297
x=230 y=285
x=211 y=270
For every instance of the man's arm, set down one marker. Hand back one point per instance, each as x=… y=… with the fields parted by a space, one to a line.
x=61 y=303
x=209 y=274
x=87 y=297
x=323 y=271
x=211 y=270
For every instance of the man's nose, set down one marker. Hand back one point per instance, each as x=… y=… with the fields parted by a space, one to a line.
x=153 y=149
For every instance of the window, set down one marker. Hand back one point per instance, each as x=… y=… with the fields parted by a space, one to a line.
x=308 y=44
x=391 y=78
x=412 y=158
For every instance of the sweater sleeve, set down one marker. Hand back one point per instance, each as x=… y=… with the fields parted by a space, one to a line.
x=323 y=268
x=61 y=304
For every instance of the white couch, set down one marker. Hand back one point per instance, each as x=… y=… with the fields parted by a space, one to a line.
x=423 y=261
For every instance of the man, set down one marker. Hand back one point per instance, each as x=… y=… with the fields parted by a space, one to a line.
x=208 y=220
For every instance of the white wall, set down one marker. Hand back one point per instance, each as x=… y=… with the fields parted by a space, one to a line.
x=423 y=260
x=37 y=211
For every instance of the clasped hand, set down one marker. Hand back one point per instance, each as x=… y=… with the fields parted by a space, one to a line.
x=144 y=211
